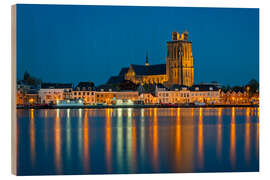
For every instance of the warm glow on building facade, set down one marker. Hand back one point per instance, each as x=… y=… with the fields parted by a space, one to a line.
x=53 y=92
x=178 y=69
x=88 y=97
x=105 y=97
x=179 y=60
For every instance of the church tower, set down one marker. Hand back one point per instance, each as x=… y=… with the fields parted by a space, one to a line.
x=179 y=60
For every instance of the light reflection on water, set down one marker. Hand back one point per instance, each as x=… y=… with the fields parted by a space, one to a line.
x=98 y=141
x=232 y=140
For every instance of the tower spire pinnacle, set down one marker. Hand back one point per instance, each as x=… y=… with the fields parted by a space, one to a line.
x=146 y=59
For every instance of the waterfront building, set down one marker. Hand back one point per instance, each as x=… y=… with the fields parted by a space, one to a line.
x=88 y=97
x=148 y=98
x=26 y=94
x=163 y=97
x=255 y=98
x=29 y=97
x=127 y=95
x=178 y=68
x=22 y=88
x=236 y=96
x=53 y=92
x=174 y=95
x=208 y=94
x=84 y=91
x=109 y=97
x=105 y=97
x=85 y=86
x=179 y=95
x=19 y=100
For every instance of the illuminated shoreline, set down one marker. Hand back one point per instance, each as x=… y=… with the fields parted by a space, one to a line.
x=131 y=106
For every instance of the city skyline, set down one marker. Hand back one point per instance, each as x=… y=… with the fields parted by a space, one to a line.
x=95 y=42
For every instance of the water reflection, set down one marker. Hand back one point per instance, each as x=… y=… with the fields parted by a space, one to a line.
x=200 y=139
x=32 y=138
x=134 y=146
x=108 y=140
x=57 y=141
x=138 y=140
x=233 y=140
x=247 y=136
x=119 y=140
x=142 y=137
x=188 y=141
x=219 y=134
x=68 y=135
x=86 y=142
x=155 y=141
x=130 y=142
x=46 y=133
x=178 y=140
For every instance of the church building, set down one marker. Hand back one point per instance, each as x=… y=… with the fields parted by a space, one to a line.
x=178 y=69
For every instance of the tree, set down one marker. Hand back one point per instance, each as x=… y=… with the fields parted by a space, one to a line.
x=26 y=76
x=226 y=88
x=32 y=81
x=92 y=84
x=253 y=86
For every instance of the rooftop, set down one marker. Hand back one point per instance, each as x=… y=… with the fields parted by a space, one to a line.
x=156 y=69
x=56 y=85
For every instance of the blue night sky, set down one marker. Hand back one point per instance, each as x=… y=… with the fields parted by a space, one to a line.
x=90 y=43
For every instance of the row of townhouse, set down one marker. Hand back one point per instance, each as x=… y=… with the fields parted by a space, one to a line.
x=51 y=93
x=239 y=97
x=208 y=94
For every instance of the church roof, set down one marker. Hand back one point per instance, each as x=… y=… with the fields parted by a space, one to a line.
x=123 y=71
x=115 y=79
x=156 y=69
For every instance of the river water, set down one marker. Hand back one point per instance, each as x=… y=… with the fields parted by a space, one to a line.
x=127 y=140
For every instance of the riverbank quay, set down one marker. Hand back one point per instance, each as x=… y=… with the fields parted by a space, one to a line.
x=132 y=106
